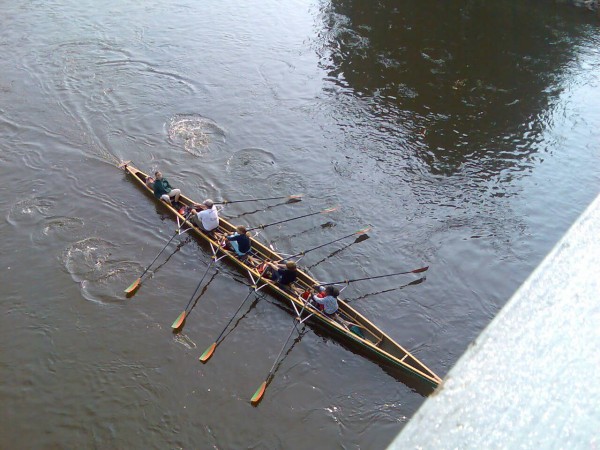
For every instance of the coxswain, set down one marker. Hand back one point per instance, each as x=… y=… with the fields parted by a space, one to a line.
x=163 y=190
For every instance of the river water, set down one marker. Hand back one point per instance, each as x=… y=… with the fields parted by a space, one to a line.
x=466 y=135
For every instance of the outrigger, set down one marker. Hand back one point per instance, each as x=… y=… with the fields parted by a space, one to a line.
x=347 y=323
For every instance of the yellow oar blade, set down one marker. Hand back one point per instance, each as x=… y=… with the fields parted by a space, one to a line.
x=208 y=353
x=178 y=321
x=130 y=291
x=258 y=395
x=328 y=210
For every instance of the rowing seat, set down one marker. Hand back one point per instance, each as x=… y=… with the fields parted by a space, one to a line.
x=252 y=257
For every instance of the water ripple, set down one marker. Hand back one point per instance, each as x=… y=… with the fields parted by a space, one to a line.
x=252 y=162
x=90 y=263
x=29 y=211
x=195 y=133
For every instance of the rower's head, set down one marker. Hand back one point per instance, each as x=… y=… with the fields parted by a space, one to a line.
x=158 y=175
x=208 y=203
x=332 y=291
x=291 y=265
x=241 y=229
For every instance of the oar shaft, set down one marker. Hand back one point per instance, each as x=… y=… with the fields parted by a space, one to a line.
x=288 y=220
x=210 y=350
x=320 y=246
x=199 y=284
x=233 y=317
x=166 y=245
x=281 y=351
x=159 y=253
x=422 y=269
x=228 y=202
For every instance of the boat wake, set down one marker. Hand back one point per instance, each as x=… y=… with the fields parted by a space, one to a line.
x=29 y=211
x=195 y=133
x=185 y=341
x=252 y=162
x=58 y=228
x=90 y=263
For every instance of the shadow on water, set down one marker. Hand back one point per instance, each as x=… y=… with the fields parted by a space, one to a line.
x=195 y=302
x=415 y=384
x=412 y=283
x=450 y=83
x=242 y=317
x=178 y=247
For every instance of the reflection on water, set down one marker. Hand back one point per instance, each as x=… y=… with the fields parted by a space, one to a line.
x=458 y=86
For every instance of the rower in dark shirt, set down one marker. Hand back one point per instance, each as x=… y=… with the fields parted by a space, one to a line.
x=240 y=241
x=284 y=274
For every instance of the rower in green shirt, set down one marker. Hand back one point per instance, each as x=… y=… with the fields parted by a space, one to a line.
x=163 y=189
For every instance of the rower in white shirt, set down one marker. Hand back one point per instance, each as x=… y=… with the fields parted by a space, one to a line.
x=206 y=219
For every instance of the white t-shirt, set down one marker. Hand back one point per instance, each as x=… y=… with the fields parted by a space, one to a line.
x=209 y=218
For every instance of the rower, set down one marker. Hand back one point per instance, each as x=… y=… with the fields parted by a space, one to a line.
x=326 y=300
x=283 y=274
x=163 y=189
x=240 y=241
x=150 y=182
x=207 y=219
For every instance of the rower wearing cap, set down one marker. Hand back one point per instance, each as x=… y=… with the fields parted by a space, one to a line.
x=207 y=219
x=328 y=304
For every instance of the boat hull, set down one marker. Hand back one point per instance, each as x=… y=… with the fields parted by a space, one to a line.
x=370 y=340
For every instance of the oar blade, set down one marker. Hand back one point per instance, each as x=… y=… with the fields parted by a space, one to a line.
x=208 y=353
x=422 y=269
x=179 y=321
x=328 y=210
x=258 y=395
x=133 y=287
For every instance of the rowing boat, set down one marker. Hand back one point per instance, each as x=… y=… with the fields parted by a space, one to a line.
x=348 y=324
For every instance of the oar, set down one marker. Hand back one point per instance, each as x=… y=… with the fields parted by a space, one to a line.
x=422 y=269
x=258 y=395
x=182 y=316
x=325 y=211
x=412 y=283
x=363 y=236
x=266 y=208
x=210 y=350
x=130 y=291
x=290 y=199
